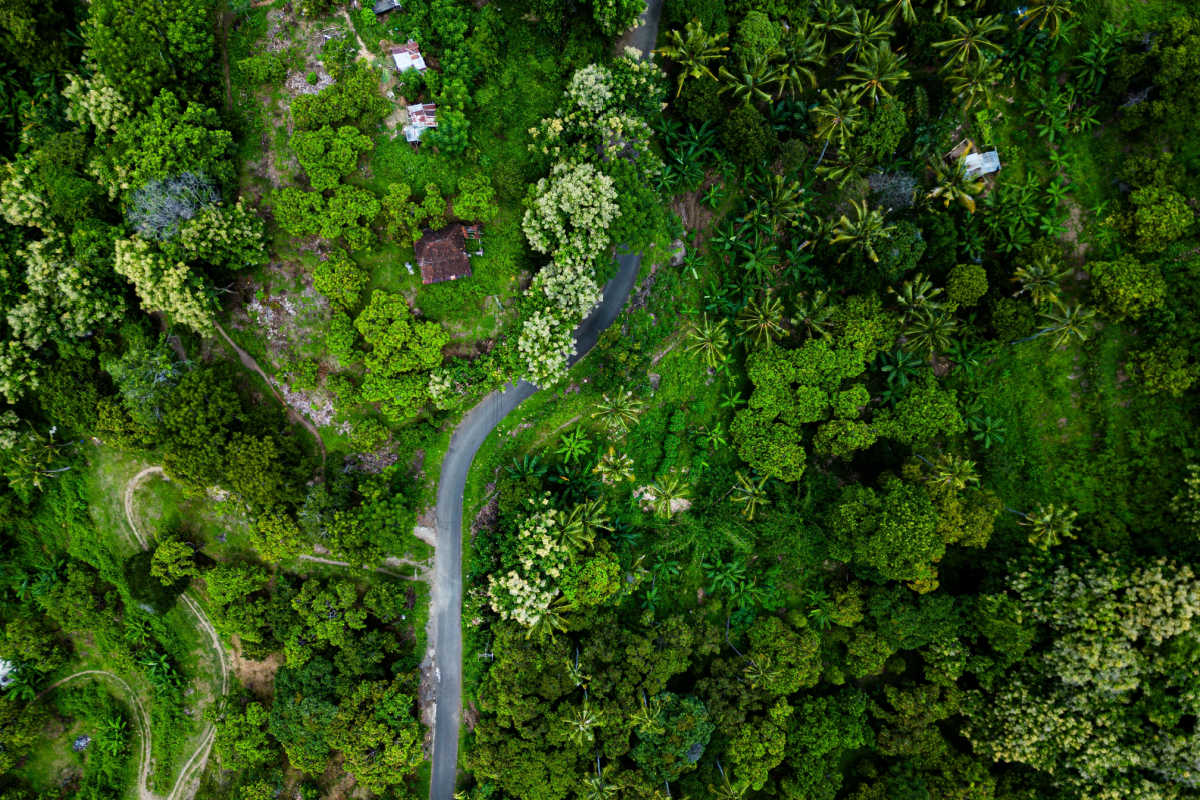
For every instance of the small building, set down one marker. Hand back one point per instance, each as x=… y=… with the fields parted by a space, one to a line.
x=442 y=254
x=408 y=56
x=384 y=6
x=976 y=165
x=421 y=117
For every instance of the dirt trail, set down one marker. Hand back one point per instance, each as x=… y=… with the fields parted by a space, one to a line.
x=141 y=720
x=189 y=775
x=249 y=363
x=390 y=565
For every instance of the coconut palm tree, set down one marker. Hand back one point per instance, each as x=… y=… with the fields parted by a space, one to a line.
x=751 y=80
x=862 y=29
x=577 y=528
x=647 y=718
x=1067 y=322
x=614 y=466
x=692 y=51
x=667 y=491
x=580 y=723
x=953 y=184
x=970 y=39
x=973 y=83
x=952 y=472
x=759 y=320
x=836 y=117
x=815 y=314
x=915 y=294
x=619 y=412
x=595 y=788
x=709 y=339
x=1049 y=525
x=749 y=494
x=900 y=8
x=727 y=790
x=876 y=72
x=862 y=233
x=803 y=58
x=1041 y=279
x=550 y=620
x=779 y=202
x=931 y=330
x=1047 y=14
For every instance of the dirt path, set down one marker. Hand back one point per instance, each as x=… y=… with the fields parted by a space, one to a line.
x=249 y=363
x=226 y=21
x=390 y=565
x=189 y=775
x=141 y=720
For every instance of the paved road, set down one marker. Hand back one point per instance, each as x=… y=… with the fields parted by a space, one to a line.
x=446 y=592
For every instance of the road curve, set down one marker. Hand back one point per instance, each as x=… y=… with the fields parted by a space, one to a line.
x=445 y=599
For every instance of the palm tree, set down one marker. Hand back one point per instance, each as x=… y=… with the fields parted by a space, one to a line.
x=931 y=330
x=875 y=72
x=973 y=83
x=836 y=117
x=647 y=719
x=666 y=493
x=614 y=466
x=1041 y=278
x=709 y=339
x=619 y=412
x=803 y=57
x=759 y=320
x=900 y=8
x=780 y=202
x=862 y=233
x=1049 y=525
x=595 y=788
x=760 y=672
x=863 y=29
x=915 y=294
x=815 y=314
x=1066 y=322
x=970 y=40
x=574 y=445
x=580 y=723
x=952 y=472
x=761 y=262
x=577 y=528
x=692 y=51
x=953 y=183
x=1047 y=13
x=726 y=790
x=752 y=80
x=749 y=494
x=550 y=620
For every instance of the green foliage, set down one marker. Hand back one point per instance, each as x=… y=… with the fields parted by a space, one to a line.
x=1128 y=286
x=142 y=47
x=347 y=213
x=341 y=281
x=894 y=532
x=402 y=350
x=966 y=284
x=174 y=561
x=1160 y=216
x=353 y=100
x=328 y=155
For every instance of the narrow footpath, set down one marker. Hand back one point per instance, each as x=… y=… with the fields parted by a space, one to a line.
x=445 y=601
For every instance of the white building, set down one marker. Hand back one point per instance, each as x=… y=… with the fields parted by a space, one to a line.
x=978 y=164
x=421 y=117
x=408 y=56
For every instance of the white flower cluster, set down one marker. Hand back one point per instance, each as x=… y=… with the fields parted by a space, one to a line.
x=546 y=342
x=96 y=102
x=163 y=285
x=590 y=88
x=19 y=202
x=523 y=595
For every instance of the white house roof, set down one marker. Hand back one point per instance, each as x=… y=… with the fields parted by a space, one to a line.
x=976 y=164
x=408 y=56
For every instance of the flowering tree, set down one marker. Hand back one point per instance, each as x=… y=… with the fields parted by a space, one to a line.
x=163 y=285
x=545 y=344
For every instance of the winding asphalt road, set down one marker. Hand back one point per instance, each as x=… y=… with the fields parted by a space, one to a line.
x=445 y=602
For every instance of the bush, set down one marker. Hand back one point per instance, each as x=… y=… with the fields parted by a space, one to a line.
x=354 y=100
x=746 y=136
x=1160 y=216
x=1165 y=368
x=967 y=284
x=1128 y=286
x=1012 y=319
x=340 y=280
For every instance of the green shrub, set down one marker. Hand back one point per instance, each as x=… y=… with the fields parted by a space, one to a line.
x=967 y=284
